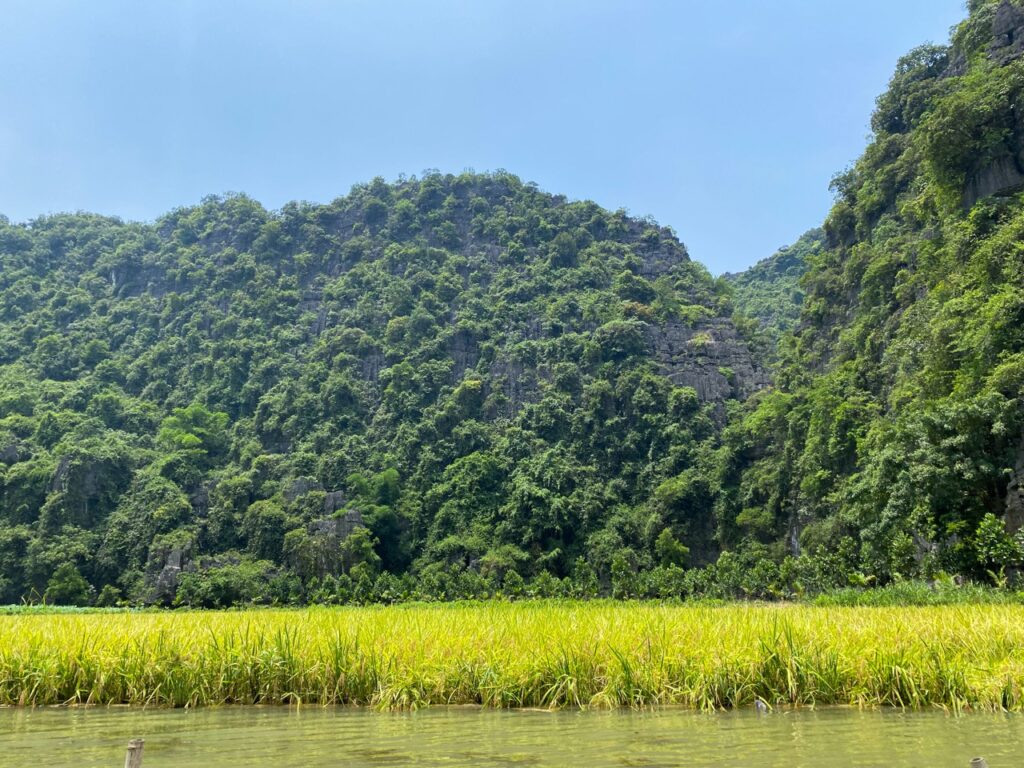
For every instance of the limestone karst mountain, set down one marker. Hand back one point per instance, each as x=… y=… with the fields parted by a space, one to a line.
x=463 y=368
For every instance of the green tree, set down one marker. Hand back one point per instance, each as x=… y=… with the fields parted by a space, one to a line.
x=67 y=587
x=670 y=551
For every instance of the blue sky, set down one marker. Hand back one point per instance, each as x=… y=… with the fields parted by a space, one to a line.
x=723 y=120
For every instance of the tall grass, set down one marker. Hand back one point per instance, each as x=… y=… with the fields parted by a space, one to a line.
x=905 y=593
x=535 y=654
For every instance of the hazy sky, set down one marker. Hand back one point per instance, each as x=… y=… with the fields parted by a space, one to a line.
x=724 y=120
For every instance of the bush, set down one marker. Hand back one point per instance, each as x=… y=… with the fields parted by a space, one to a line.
x=67 y=587
x=244 y=582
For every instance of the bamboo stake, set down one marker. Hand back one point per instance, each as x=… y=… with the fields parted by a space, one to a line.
x=134 y=757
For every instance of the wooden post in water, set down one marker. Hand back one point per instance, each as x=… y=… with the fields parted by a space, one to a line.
x=979 y=762
x=134 y=757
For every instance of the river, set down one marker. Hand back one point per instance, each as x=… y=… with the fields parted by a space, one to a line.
x=464 y=736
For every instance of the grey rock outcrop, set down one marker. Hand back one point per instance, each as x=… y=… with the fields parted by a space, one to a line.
x=167 y=580
x=300 y=487
x=338 y=527
x=10 y=453
x=1013 y=513
x=659 y=260
x=1007 y=33
x=199 y=499
x=371 y=366
x=166 y=564
x=517 y=382
x=1003 y=175
x=958 y=64
x=709 y=356
x=465 y=352
x=333 y=501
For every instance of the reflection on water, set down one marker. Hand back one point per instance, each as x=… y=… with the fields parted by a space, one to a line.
x=259 y=736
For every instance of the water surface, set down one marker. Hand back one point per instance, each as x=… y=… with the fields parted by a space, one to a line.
x=454 y=737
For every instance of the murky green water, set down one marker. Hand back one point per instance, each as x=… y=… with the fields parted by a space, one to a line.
x=343 y=738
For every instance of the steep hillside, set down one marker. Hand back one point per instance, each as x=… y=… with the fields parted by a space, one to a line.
x=893 y=445
x=769 y=292
x=439 y=376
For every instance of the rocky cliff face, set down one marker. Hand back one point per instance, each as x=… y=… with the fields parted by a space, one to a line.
x=1005 y=173
x=1014 y=509
x=708 y=356
x=1007 y=33
x=895 y=428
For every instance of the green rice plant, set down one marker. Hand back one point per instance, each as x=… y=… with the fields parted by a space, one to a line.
x=549 y=654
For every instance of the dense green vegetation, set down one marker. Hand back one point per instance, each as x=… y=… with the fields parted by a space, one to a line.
x=770 y=293
x=455 y=386
x=450 y=377
x=894 y=434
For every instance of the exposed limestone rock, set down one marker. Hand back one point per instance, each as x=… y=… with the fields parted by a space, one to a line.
x=465 y=353
x=59 y=480
x=658 y=261
x=166 y=564
x=333 y=501
x=1007 y=33
x=518 y=383
x=81 y=476
x=710 y=357
x=329 y=534
x=371 y=366
x=340 y=527
x=300 y=487
x=1003 y=175
x=958 y=64
x=167 y=580
x=312 y=301
x=1013 y=512
x=10 y=453
x=200 y=500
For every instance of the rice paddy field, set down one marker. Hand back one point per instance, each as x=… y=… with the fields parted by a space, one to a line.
x=548 y=655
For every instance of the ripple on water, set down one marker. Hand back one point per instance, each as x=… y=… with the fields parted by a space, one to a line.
x=230 y=737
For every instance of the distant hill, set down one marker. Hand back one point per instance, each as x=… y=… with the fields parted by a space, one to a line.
x=438 y=374
x=769 y=292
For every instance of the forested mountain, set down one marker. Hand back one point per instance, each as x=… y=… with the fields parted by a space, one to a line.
x=457 y=373
x=454 y=385
x=769 y=292
x=894 y=435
